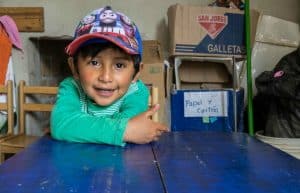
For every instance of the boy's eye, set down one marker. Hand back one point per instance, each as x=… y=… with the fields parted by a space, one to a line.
x=120 y=65
x=94 y=62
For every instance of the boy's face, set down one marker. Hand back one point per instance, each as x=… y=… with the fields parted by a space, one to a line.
x=106 y=77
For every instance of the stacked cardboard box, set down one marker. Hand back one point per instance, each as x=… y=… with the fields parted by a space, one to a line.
x=153 y=72
x=203 y=44
x=204 y=72
x=206 y=31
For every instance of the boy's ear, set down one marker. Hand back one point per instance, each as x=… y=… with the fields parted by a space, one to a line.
x=137 y=75
x=72 y=67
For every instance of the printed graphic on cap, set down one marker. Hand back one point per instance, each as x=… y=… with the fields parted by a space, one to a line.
x=212 y=24
x=111 y=23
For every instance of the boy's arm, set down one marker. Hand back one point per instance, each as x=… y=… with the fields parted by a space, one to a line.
x=140 y=128
x=69 y=123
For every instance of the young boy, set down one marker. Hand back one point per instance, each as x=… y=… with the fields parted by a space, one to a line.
x=104 y=101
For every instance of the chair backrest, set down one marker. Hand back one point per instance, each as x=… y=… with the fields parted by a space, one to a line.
x=25 y=106
x=8 y=104
x=153 y=99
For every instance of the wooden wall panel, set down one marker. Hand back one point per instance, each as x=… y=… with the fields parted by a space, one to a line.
x=28 y=19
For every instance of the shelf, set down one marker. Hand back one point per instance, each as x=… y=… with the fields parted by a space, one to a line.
x=64 y=38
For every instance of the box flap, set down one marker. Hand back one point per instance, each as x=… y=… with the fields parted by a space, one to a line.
x=203 y=72
x=198 y=86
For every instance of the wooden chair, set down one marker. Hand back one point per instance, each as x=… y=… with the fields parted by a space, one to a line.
x=153 y=99
x=15 y=143
x=9 y=108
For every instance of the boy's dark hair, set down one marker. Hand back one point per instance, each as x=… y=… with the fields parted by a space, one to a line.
x=93 y=49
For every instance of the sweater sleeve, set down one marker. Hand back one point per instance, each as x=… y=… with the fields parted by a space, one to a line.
x=70 y=123
x=134 y=103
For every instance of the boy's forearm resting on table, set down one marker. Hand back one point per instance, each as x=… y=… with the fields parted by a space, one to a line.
x=84 y=128
x=76 y=126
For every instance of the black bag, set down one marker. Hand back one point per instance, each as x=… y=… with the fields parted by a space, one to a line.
x=277 y=103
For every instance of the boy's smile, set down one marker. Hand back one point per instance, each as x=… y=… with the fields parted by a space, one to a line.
x=106 y=77
x=104 y=92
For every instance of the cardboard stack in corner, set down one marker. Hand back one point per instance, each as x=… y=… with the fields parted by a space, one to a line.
x=202 y=39
x=153 y=72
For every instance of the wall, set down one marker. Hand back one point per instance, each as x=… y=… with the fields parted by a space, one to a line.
x=288 y=9
x=61 y=17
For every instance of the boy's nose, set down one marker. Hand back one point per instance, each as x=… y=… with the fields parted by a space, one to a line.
x=105 y=74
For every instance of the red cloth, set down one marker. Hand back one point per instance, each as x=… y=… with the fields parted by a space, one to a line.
x=5 y=52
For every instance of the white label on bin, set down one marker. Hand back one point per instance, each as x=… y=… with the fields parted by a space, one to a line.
x=205 y=104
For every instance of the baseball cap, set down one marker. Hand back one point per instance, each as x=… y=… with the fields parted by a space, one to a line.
x=106 y=25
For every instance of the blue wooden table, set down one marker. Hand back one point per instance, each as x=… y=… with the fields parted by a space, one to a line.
x=210 y=162
x=60 y=167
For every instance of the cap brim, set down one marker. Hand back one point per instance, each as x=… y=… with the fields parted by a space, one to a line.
x=75 y=44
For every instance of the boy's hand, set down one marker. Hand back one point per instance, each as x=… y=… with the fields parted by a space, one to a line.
x=141 y=129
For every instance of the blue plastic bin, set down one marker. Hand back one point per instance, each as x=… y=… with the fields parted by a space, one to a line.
x=207 y=110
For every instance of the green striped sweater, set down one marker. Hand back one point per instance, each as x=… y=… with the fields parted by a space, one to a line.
x=76 y=118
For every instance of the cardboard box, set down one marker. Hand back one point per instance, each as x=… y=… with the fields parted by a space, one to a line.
x=205 y=31
x=212 y=110
x=198 y=86
x=204 y=72
x=204 y=75
x=153 y=72
x=169 y=85
x=152 y=52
